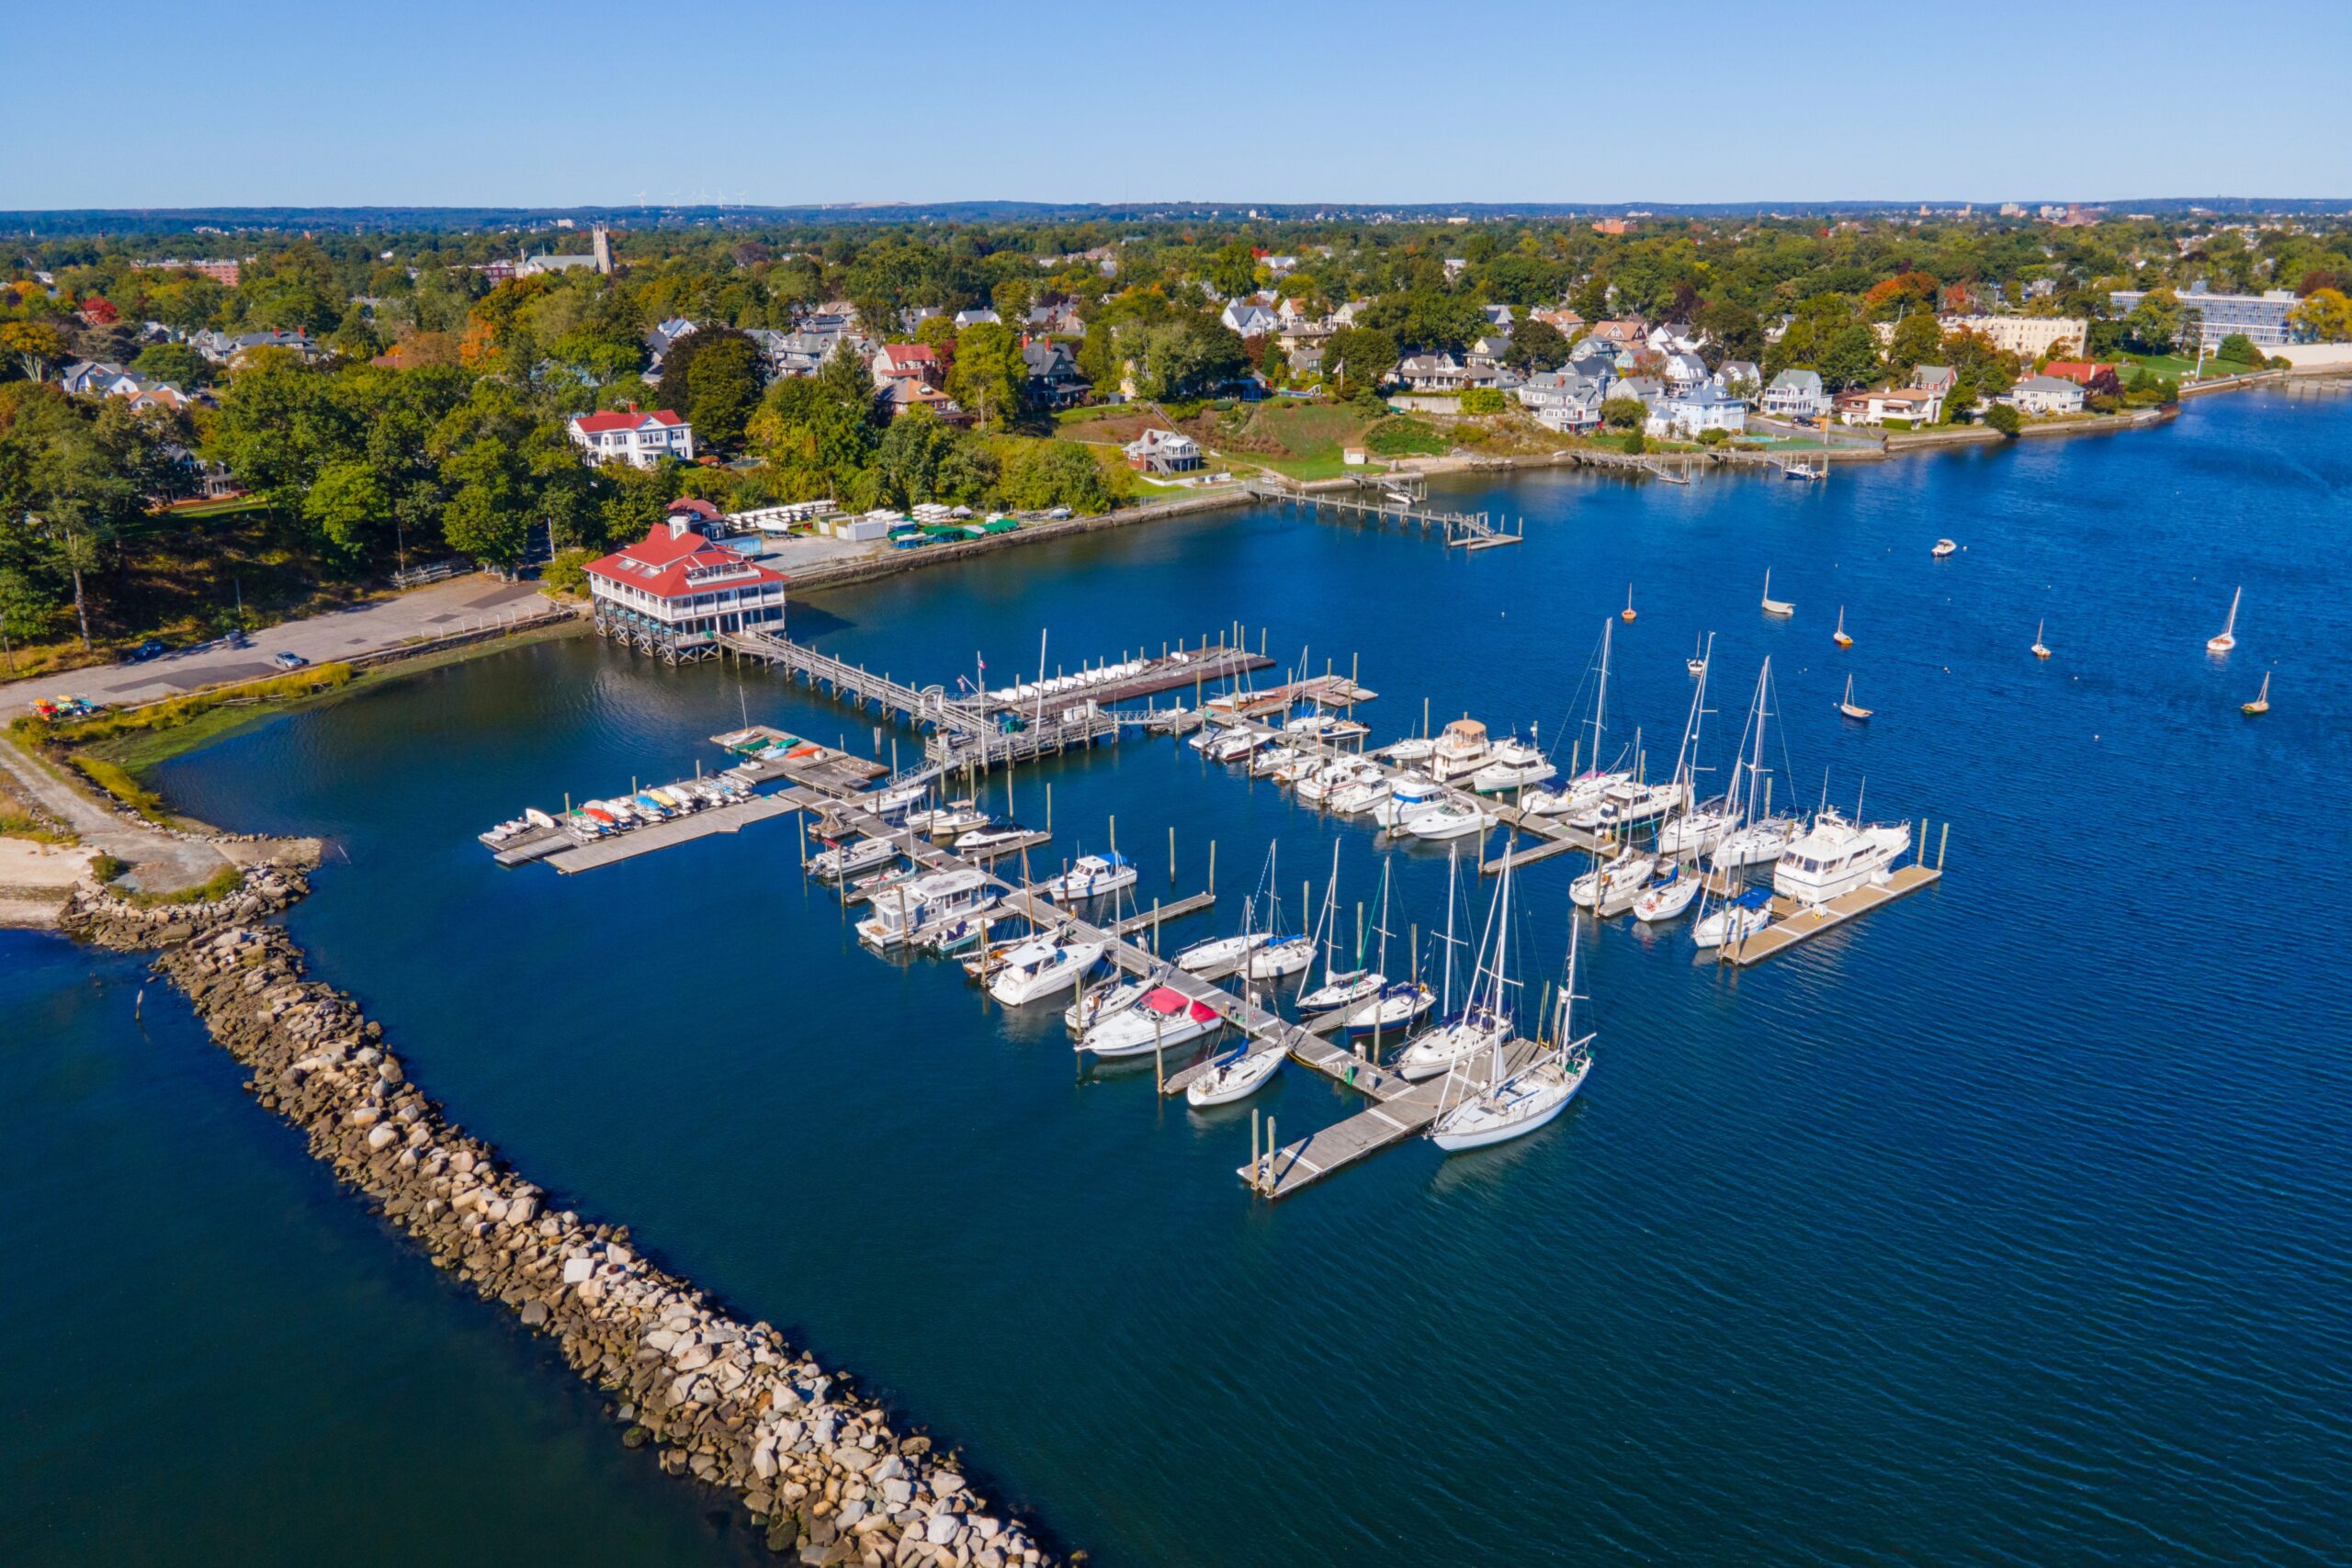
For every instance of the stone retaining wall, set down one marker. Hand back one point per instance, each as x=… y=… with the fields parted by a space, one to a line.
x=732 y=1405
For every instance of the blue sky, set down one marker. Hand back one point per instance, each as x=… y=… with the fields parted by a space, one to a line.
x=432 y=103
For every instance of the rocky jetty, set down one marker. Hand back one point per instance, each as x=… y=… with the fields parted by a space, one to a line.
x=728 y=1403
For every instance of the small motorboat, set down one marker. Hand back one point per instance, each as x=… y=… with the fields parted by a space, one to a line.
x=1775 y=606
x=1358 y=798
x=1451 y=819
x=1943 y=547
x=1406 y=799
x=2041 y=650
x=1233 y=745
x=2261 y=704
x=1840 y=637
x=1030 y=976
x=1413 y=748
x=1627 y=612
x=1235 y=1075
x=2228 y=637
x=1582 y=793
x=995 y=836
x=843 y=862
x=1091 y=876
x=1850 y=708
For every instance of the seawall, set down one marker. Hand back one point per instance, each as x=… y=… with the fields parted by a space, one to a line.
x=732 y=1405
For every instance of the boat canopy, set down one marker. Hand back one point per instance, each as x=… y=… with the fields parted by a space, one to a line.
x=1168 y=1002
x=1466 y=730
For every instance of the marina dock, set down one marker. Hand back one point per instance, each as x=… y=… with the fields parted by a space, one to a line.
x=678 y=830
x=1794 y=922
x=1461 y=530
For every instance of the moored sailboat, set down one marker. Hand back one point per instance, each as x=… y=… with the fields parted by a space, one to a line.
x=2227 y=638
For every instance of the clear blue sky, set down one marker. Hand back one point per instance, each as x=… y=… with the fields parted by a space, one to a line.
x=431 y=102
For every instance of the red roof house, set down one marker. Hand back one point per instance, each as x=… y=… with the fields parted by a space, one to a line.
x=678 y=584
x=2078 y=371
x=632 y=435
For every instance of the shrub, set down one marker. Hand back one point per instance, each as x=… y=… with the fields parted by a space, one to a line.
x=1482 y=401
x=1714 y=437
x=1636 y=442
x=566 y=572
x=1624 y=413
x=107 y=868
x=2005 y=419
x=1404 y=436
x=111 y=778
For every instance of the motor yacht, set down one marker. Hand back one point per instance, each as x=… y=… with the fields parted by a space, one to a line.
x=1091 y=876
x=1449 y=819
x=844 y=861
x=1462 y=750
x=1837 y=856
x=1160 y=1020
x=1512 y=764
x=1030 y=976
x=917 y=910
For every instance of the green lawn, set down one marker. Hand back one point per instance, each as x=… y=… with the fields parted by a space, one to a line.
x=2183 y=368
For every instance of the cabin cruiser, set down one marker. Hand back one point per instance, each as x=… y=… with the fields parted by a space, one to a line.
x=1312 y=727
x=1579 y=794
x=1161 y=1018
x=866 y=890
x=918 y=909
x=1275 y=760
x=1406 y=798
x=995 y=835
x=1360 y=797
x=1837 y=856
x=1449 y=819
x=1233 y=745
x=1323 y=786
x=1470 y=1033
x=1041 y=969
x=951 y=823
x=1411 y=751
x=1611 y=889
x=1462 y=750
x=1091 y=876
x=844 y=861
x=1512 y=764
x=893 y=801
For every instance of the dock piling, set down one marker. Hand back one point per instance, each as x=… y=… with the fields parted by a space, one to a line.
x=1253 y=1149
x=1941 y=844
x=1171 y=855
x=1212 y=865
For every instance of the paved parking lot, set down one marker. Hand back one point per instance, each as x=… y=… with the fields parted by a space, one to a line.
x=437 y=610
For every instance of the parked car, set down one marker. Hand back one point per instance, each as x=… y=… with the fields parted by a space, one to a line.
x=287 y=659
x=149 y=649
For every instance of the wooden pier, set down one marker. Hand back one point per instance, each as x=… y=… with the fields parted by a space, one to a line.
x=1323 y=691
x=678 y=830
x=1461 y=530
x=1794 y=922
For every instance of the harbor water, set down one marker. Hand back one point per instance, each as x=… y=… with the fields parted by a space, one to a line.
x=2010 y=1223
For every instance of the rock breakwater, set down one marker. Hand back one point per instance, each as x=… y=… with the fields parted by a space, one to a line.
x=731 y=1404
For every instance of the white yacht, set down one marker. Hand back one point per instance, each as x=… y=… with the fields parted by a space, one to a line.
x=1668 y=896
x=995 y=835
x=1091 y=876
x=1029 y=976
x=1232 y=744
x=1758 y=843
x=1461 y=750
x=1450 y=819
x=1407 y=798
x=912 y=910
x=1411 y=751
x=1699 y=830
x=1163 y=1018
x=1276 y=760
x=1361 y=795
x=1512 y=1104
x=1390 y=1013
x=952 y=817
x=1837 y=856
x=1485 y=1020
x=1513 y=764
x=1101 y=1001
x=1344 y=989
x=1282 y=957
x=1579 y=794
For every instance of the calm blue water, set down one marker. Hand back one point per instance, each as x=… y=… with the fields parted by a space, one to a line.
x=2009 y=1225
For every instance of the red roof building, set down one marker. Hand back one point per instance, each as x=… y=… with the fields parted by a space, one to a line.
x=632 y=435
x=2078 y=371
x=680 y=586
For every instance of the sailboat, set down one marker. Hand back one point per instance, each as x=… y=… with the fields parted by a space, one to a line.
x=1697 y=662
x=1584 y=791
x=1840 y=637
x=1848 y=706
x=1282 y=955
x=1627 y=612
x=1775 y=606
x=2041 y=650
x=1235 y=1075
x=1669 y=895
x=1512 y=1105
x=1340 y=988
x=2261 y=704
x=1395 y=1007
x=1485 y=1017
x=2229 y=637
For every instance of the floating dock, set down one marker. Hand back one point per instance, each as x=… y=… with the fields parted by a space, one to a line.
x=1470 y=530
x=1794 y=922
x=655 y=836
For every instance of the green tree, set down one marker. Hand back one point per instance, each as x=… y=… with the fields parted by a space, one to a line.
x=1918 y=340
x=172 y=362
x=1357 y=359
x=712 y=377
x=25 y=611
x=347 y=501
x=1733 y=332
x=989 y=374
x=1624 y=413
x=1849 y=357
x=36 y=344
x=2239 y=348
x=1043 y=474
x=908 y=458
x=2005 y=418
x=2326 y=315
x=2154 y=325
x=1537 y=346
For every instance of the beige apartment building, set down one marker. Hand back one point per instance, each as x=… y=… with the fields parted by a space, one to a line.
x=2027 y=337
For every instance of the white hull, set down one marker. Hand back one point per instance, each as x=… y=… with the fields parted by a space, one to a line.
x=1278 y=959
x=1729 y=925
x=1235 y=1077
x=1388 y=1016
x=1018 y=987
x=836 y=865
x=1087 y=880
x=1837 y=857
x=1614 y=887
x=1449 y=822
x=1344 y=992
x=1131 y=1033
x=1107 y=1001
x=1513 y=1110
x=1220 y=951
x=1496 y=777
x=1456 y=1040
x=1361 y=797
x=1758 y=844
x=1695 y=833
x=1666 y=900
x=1403 y=805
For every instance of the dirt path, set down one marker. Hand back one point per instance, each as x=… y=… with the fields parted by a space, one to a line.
x=161 y=862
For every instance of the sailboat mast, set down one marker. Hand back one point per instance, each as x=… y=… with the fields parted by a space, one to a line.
x=1452 y=863
x=1600 y=699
